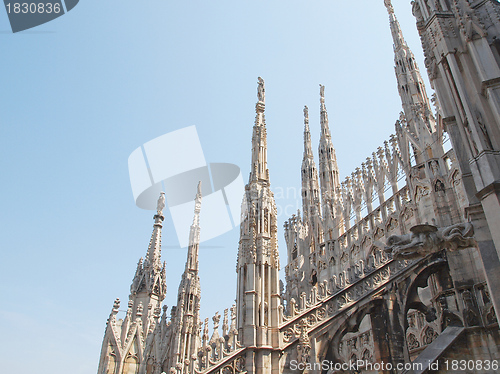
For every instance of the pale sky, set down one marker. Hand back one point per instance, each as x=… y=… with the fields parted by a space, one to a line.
x=80 y=93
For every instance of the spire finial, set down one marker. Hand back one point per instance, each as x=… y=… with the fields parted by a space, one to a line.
x=307 y=135
x=197 y=205
x=259 y=140
x=325 y=131
x=388 y=5
x=199 y=189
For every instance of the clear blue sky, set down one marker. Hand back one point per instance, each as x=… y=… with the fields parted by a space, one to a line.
x=79 y=94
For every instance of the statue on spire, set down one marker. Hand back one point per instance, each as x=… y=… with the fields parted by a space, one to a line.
x=306 y=114
x=197 y=205
x=161 y=203
x=322 y=93
x=261 y=91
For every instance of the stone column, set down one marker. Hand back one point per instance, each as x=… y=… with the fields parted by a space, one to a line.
x=488 y=249
x=388 y=334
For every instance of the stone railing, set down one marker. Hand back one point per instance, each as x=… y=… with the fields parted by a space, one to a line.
x=322 y=307
x=335 y=284
x=231 y=362
x=378 y=219
x=376 y=175
x=218 y=350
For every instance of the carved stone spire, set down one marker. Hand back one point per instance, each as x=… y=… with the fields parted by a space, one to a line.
x=194 y=234
x=325 y=130
x=153 y=256
x=149 y=278
x=258 y=296
x=185 y=319
x=328 y=168
x=416 y=105
x=259 y=140
x=311 y=204
x=397 y=34
x=307 y=135
x=327 y=157
x=149 y=285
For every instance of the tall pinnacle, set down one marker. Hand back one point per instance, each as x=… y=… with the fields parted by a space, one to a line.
x=307 y=135
x=328 y=169
x=259 y=170
x=411 y=86
x=185 y=341
x=197 y=206
x=149 y=283
x=310 y=185
x=397 y=34
x=153 y=256
x=194 y=234
x=325 y=130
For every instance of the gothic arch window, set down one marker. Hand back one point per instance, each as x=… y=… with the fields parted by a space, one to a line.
x=111 y=367
x=294 y=251
x=131 y=365
x=150 y=366
x=332 y=261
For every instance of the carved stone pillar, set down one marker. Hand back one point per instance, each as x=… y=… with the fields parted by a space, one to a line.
x=388 y=332
x=488 y=251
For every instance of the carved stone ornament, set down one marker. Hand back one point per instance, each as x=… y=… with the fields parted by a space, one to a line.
x=426 y=239
x=304 y=346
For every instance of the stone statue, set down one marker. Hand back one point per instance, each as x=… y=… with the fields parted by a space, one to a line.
x=322 y=92
x=261 y=91
x=161 y=203
x=304 y=346
x=417 y=12
x=306 y=113
x=426 y=239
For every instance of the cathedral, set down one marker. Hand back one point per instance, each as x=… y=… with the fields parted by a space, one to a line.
x=395 y=269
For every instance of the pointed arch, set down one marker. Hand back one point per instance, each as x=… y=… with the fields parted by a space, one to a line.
x=131 y=362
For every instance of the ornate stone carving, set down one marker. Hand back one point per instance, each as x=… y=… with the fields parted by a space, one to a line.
x=304 y=346
x=426 y=239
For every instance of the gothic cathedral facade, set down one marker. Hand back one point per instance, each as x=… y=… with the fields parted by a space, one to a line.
x=398 y=263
